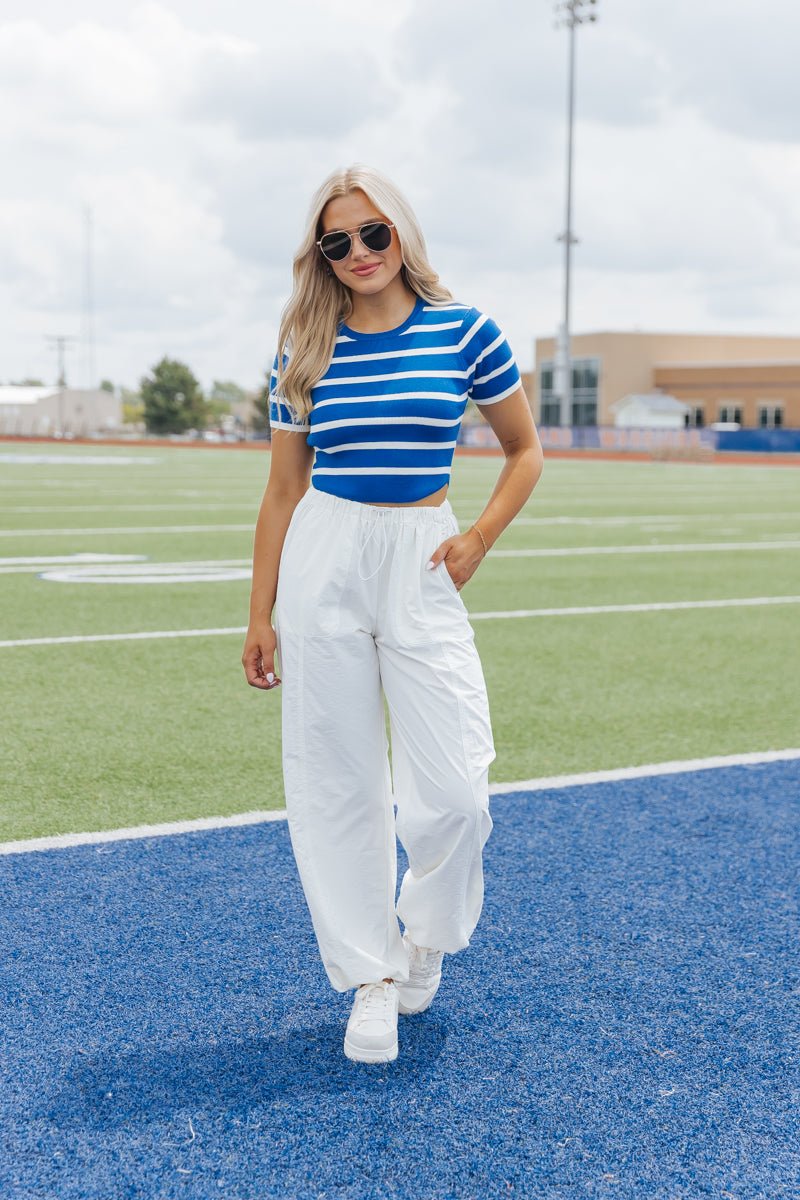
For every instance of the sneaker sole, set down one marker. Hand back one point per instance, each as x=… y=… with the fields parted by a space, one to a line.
x=359 y=1054
x=410 y=1012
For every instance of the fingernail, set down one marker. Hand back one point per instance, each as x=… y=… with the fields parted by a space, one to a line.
x=270 y=677
x=429 y=566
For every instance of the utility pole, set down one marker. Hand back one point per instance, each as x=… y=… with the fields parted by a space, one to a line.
x=88 y=331
x=60 y=340
x=569 y=13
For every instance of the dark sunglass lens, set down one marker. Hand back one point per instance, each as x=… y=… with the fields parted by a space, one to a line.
x=335 y=246
x=376 y=236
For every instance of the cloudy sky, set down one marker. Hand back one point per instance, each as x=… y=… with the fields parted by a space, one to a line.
x=197 y=130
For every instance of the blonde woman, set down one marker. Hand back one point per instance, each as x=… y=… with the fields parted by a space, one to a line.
x=359 y=553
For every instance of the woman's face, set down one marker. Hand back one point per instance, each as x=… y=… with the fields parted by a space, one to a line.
x=364 y=271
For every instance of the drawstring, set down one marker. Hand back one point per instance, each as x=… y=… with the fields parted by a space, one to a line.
x=378 y=521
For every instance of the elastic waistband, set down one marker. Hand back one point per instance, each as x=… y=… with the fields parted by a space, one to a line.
x=412 y=514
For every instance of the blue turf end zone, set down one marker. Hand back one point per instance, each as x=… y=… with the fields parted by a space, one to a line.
x=624 y=1024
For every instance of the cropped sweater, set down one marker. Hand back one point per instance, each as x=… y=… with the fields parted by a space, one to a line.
x=385 y=415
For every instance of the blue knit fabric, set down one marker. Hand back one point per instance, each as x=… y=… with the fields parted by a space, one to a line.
x=386 y=414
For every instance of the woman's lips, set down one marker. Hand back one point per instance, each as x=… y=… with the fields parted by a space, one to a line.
x=368 y=270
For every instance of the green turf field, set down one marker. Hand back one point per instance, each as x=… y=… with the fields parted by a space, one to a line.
x=104 y=734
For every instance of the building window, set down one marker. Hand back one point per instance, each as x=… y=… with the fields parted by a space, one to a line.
x=770 y=416
x=585 y=383
x=730 y=414
x=695 y=418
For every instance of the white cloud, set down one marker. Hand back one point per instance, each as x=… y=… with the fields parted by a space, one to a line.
x=198 y=132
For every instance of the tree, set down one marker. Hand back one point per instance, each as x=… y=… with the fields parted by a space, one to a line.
x=173 y=401
x=223 y=396
x=261 y=404
x=107 y=386
x=132 y=407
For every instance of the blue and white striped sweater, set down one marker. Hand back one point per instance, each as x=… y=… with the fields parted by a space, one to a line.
x=387 y=411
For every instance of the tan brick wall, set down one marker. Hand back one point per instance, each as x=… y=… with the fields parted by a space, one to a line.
x=642 y=362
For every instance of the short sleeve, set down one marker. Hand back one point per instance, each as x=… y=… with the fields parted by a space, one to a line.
x=492 y=371
x=280 y=415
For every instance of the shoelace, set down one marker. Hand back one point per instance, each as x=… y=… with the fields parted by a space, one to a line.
x=374 y=1000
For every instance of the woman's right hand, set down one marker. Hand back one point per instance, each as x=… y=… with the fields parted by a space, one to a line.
x=258 y=656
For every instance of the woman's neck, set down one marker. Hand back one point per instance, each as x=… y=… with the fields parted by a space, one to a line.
x=385 y=310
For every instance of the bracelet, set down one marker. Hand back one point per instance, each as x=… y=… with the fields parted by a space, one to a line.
x=483 y=539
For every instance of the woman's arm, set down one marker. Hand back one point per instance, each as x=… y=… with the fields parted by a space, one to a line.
x=289 y=475
x=512 y=422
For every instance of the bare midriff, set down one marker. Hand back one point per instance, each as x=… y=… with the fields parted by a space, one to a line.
x=432 y=501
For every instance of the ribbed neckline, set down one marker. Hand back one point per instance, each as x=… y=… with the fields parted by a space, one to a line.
x=383 y=333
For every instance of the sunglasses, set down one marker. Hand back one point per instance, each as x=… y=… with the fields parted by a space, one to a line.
x=375 y=236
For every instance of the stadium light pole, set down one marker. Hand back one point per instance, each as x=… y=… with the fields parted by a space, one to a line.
x=60 y=341
x=569 y=13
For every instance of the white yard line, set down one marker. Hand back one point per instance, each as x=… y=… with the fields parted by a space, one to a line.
x=116 y=530
x=694 y=519
x=512 y=614
x=665 y=606
x=63 y=841
x=645 y=772
x=538 y=552
x=210 y=504
x=650 y=548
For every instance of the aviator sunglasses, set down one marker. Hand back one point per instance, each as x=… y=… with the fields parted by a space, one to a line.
x=375 y=235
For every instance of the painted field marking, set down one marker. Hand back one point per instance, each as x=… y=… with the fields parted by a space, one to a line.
x=63 y=841
x=76 y=460
x=150 y=573
x=513 y=614
x=33 y=564
x=116 y=530
x=654 y=519
x=114 y=508
x=538 y=552
x=649 y=548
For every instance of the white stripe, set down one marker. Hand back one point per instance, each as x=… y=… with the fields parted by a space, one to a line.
x=383 y=355
x=116 y=530
x=64 y=841
x=39 y=563
x=512 y=614
x=82 y=508
x=453 y=307
x=287 y=425
x=384 y=397
x=665 y=606
x=654 y=519
x=555 y=782
x=473 y=329
x=380 y=471
x=493 y=374
x=654 y=548
x=432 y=328
x=500 y=396
x=487 y=350
x=388 y=446
x=348 y=423
x=147 y=635
x=423 y=374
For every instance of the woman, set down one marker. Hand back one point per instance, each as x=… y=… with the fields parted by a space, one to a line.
x=364 y=568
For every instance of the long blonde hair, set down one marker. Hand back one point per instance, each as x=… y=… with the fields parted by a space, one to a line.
x=319 y=302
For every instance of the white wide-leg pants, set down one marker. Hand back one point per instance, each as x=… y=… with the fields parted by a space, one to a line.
x=357 y=617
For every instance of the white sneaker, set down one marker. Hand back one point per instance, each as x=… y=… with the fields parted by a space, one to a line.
x=424 y=977
x=372 y=1029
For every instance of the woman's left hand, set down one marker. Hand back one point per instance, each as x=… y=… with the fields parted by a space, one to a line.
x=462 y=556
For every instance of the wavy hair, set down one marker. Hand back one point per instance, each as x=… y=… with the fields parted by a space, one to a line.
x=319 y=301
